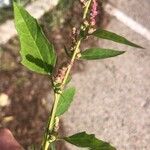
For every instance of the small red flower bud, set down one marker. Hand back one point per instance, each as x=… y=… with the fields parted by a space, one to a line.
x=94 y=12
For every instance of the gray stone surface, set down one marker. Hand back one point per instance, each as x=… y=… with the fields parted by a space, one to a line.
x=137 y=9
x=37 y=9
x=113 y=95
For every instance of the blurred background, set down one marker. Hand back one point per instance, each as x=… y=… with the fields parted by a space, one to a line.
x=113 y=95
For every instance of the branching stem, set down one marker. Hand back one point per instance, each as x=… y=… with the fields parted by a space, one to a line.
x=50 y=125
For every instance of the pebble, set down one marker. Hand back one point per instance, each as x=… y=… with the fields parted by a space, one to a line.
x=4 y=100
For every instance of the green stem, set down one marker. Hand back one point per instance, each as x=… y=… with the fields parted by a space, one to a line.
x=51 y=120
x=71 y=63
x=86 y=9
x=50 y=125
x=52 y=146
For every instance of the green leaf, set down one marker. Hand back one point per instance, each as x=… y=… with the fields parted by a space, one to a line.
x=37 y=53
x=65 y=101
x=85 y=140
x=53 y=146
x=68 y=80
x=99 y=53
x=113 y=37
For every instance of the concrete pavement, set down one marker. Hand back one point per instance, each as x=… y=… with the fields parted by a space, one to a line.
x=112 y=98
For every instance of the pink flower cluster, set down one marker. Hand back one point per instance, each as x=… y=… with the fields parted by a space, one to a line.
x=94 y=12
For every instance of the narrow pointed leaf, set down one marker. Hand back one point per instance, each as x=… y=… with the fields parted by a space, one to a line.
x=53 y=146
x=89 y=141
x=37 y=53
x=65 y=101
x=68 y=80
x=99 y=53
x=104 y=34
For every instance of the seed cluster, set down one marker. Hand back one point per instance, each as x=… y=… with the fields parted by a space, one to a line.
x=60 y=75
